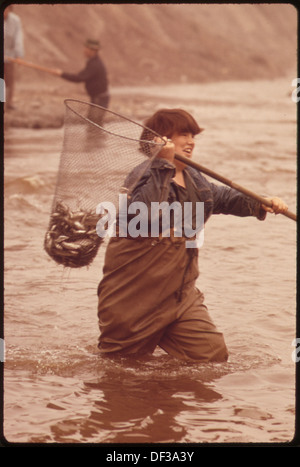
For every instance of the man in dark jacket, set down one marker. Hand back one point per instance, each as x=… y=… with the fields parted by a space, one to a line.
x=93 y=75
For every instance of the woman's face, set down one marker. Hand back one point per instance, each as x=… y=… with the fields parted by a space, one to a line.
x=184 y=143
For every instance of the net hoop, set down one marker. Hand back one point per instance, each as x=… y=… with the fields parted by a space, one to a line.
x=108 y=111
x=72 y=238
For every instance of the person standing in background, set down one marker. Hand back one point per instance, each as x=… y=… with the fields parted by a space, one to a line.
x=93 y=75
x=13 y=48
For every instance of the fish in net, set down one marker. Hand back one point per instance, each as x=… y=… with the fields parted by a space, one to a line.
x=100 y=149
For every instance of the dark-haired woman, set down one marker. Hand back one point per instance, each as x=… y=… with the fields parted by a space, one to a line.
x=148 y=295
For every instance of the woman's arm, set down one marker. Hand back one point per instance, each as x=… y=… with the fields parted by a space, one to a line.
x=229 y=201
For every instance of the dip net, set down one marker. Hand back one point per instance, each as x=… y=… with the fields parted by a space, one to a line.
x=100 y=149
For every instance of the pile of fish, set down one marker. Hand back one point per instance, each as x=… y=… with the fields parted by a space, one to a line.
x=71 y=239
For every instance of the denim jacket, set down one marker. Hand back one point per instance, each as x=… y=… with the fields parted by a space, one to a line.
x=156 y=185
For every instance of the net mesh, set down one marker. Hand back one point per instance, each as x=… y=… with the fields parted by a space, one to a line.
x=100 y=149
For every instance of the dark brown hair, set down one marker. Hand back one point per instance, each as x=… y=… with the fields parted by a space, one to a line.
x=166 y=122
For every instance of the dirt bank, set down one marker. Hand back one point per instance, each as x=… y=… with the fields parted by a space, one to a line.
x=149 y=44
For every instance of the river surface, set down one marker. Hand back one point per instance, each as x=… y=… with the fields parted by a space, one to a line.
x=57 y=389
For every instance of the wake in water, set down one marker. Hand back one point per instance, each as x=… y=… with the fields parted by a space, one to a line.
x=87 y=363
x=88 y=398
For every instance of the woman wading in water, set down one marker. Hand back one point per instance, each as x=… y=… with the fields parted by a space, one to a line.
x=148 y=295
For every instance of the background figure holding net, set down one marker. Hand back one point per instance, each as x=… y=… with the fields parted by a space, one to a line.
x=94 y=76
x=148 y=294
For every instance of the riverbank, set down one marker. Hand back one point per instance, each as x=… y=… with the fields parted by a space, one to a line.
x=44 y=107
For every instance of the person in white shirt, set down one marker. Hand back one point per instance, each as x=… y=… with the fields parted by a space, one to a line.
x=13 y=48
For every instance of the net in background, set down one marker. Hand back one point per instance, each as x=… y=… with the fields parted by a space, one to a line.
x=100 y=149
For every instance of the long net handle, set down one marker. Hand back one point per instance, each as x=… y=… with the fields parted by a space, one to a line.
x=20 y=61
x=232 y=184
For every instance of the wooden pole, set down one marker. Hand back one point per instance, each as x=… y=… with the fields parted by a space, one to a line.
x=231 y=184
x=20 y=61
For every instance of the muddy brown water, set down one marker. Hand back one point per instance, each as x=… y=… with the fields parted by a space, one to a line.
x=56 y=386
